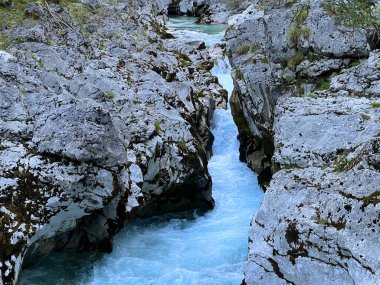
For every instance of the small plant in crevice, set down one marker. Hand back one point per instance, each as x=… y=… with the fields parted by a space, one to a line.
x=157 y=127
x=110 y=94
x=298 y=28
x=243 y=49
x=239 y=75
x=375 y=104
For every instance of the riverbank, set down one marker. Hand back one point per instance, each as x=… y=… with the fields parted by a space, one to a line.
x=307 y=100
x=102 y=120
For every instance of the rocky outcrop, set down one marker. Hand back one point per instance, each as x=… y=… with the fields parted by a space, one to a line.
x=307 y=104
x=292 y=51
x=208 y=11
x=102 y=119
x=319 y=220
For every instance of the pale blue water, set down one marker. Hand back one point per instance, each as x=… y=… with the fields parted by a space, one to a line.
x=182 y=248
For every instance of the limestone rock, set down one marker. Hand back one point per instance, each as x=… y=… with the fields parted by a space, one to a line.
x=100 y=121
x=306 y=104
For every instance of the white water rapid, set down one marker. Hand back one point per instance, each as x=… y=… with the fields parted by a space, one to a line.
x=185 y=248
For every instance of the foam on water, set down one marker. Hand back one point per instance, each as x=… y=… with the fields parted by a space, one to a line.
x=185 y=248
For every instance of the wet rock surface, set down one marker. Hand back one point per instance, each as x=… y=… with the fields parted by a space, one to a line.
x=307 y=106
x=102 y=119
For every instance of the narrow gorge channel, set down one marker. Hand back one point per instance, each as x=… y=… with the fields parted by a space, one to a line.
x=185 y=248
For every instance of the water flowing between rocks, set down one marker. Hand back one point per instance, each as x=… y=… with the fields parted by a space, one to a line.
x=185 y=248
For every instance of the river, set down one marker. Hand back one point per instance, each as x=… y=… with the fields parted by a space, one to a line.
x=184 y=248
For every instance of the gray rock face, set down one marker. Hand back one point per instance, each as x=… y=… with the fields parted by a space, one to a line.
x=315 y=125
x=319 y=220
x=208 y=11
x=285 y=52
x=102 y=119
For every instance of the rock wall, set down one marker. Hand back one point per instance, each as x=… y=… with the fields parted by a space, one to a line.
x=103 y=117
x=307 y=104
x=208 y=11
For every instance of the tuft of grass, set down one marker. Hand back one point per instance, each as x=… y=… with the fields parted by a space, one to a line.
x=295 y=60
x=311 y=95
x=375 y=104
x=157 y=127
x=324 y=85
x=294 y=34
x=343 y=164
x=243 y=49
x=110 y=94
x=239 y=75
x=296 y=31
x=182 y=146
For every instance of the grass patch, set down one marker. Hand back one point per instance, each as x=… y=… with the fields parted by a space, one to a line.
x=238 y=74
x=157 y=127
x=110 y=94
x=375 y=104
x=324 y=85
x=295 y=60
x=182 y=146
x=297 y=30
x=343 y=164
x=311 y=95
x=243 y=49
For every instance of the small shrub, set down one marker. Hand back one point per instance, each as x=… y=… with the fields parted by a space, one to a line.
x=375 y=104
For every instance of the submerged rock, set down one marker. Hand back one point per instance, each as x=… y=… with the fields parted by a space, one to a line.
x=306 y=104
x=101 y=120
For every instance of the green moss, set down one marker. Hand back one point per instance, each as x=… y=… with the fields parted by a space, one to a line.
x=182 y=56
x=294 y=34
x=80 y=12
x=4 y=41
x=339 y=224
x=255 y=47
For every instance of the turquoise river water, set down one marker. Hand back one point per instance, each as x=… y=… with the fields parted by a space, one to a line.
x=185 y=248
